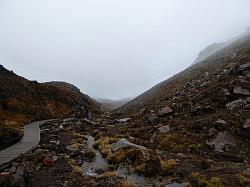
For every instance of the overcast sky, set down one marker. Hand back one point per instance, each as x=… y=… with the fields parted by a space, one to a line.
x=112 y=48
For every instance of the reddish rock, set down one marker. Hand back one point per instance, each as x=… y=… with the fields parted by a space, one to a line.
x=5 y=179
x=165 y=111
x=47 y=161
x=246 y=125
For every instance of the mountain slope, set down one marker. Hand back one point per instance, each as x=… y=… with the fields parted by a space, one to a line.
x=201 y=116
x=22 y=101
x=160 y=94
x=215 y=47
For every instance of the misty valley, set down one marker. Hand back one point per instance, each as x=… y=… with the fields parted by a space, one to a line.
x=191 y=128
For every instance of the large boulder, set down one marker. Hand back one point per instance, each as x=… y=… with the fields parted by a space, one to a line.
x=221 y=140
x=165 y=111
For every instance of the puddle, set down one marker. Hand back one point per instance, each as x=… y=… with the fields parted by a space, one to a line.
x=99 y=164
x=131 y=176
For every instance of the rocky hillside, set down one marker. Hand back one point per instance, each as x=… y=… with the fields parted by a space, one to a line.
x=22 y=101
x=215 y=47
x=201 y=113
x=72 y=88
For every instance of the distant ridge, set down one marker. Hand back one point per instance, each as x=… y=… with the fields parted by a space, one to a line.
x=213 y=48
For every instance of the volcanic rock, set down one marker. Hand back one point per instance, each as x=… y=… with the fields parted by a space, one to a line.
x=123 y=120
x=240 y=90
x=244 y=67
x=47 y=161
x=125 y=143
x=246 y=125
x=152 y=118
x=220 y=141
x=164 y=129
x=165 y=111
x=235 y=104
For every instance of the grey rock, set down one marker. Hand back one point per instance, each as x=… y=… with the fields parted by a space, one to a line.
x=220 y=141
x=89 y=121
x=165 y=111
x=164 y=129
x=240 y=90
x=69 y=148
x=246 y=125
x=13 y=170
x=153 y=118
x=123 y=120
x=184 y=184
x=248 y=99
x=226 y=92
x=221 y=122
x=246 y=107
x=55 y=158
x=20 y=170
x=235 y=104
x=54 y=142
x=244 y=67
x=142 y=111
x=181 y=155
x=125 y=143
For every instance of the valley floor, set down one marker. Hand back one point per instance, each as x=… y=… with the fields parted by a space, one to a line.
x=82 y=152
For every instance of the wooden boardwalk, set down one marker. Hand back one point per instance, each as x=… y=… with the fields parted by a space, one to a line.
x=31 y=138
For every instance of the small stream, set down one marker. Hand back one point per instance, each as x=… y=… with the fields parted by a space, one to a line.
x=99 y=165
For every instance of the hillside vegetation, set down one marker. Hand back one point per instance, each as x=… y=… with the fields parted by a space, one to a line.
x=23 y=101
